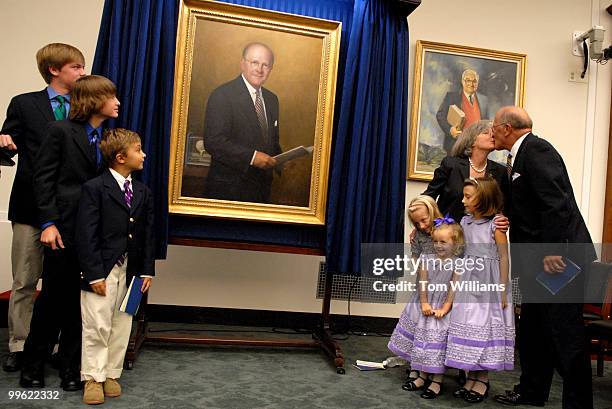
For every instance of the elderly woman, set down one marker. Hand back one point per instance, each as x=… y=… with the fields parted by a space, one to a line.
x=468 y=159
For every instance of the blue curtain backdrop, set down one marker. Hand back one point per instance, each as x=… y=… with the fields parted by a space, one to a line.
x=136 y=49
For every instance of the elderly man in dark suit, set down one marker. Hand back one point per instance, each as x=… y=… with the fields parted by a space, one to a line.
x=241 y=131
x=474 y=105
x=543 y=213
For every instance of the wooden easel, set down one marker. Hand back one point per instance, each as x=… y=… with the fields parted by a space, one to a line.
x=322 y=337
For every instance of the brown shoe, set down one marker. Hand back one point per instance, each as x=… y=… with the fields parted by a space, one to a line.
x=93 y=394
x=112 y=389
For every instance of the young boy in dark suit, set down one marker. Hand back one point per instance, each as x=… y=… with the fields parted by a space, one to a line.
x=68 y=157
x=115 y=231
x=27 y=119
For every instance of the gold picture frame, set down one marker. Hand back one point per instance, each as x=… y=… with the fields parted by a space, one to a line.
x=438 y=83
x=210 y=42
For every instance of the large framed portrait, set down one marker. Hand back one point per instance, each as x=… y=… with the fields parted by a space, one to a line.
x=455 y=86
x=252 y=114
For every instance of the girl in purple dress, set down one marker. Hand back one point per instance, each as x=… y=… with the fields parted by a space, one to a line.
x=421 y=333
x=481 y=333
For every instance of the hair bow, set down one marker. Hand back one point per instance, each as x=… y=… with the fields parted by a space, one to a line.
x=443 y=220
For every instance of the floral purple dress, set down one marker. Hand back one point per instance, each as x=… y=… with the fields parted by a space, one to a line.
x=481 y=333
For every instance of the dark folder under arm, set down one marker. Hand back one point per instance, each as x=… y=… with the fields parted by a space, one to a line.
x=5 y=158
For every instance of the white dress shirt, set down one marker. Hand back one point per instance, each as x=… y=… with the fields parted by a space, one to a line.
x=253 y=94
x=515 y=148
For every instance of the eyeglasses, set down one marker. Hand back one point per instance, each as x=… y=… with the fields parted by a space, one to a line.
x=470 y=81
x=256 y=65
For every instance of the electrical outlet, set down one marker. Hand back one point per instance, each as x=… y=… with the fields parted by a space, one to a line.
x=574 y=76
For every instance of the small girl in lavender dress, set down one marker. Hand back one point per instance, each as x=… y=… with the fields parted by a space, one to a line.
x=421 y=333
x=481 y=333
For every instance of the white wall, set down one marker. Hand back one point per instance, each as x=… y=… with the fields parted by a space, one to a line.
x=229 y=278
x=542 y=30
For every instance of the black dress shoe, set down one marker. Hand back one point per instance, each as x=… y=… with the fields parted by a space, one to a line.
x=71 y=381
x=32 y=379
x=12 y=362
x=512 y=398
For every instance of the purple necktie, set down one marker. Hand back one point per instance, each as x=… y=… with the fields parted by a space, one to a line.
x=127 y=193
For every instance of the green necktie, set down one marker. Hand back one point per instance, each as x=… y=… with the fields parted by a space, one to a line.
x=60 y=110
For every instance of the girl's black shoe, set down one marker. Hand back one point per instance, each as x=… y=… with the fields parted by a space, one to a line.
x=461 y=392
x=429 y=393
x=475 y=397
x=410 y=384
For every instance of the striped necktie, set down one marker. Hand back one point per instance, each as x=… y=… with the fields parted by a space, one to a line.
x=127 y=193
x=509 y=166
x=60 y=110
x=261 y=115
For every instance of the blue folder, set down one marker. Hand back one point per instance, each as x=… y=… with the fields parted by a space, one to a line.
x=556 y=282
x=132 y=298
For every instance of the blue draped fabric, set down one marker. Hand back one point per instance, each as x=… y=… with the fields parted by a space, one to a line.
x=367 y=179
x=368 y=173
x=136 y=49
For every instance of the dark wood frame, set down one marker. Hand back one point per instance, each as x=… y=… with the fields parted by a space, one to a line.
x=322 y=337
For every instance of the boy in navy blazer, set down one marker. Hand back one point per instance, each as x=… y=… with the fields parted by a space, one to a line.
x=115 y=231
x=68 y=157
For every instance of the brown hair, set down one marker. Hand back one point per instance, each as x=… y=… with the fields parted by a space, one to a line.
x=89 y=95
x=116 y=141
x=489 y=198
x=457 y=234
x=56 y=55
x=428 y=203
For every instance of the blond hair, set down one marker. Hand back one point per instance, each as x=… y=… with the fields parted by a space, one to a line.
x=424 y=201
x=456 y=234
x=489 y=198
x=89 y=95
x=116 y=141
x=56 y=55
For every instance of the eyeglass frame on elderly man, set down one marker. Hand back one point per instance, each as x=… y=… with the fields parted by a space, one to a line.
x=256 y=64
x=503 y=123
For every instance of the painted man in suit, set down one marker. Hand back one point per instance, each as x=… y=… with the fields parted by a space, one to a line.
x=241 y=131
x=474 y=105
x=543 y=213
x=23 y=132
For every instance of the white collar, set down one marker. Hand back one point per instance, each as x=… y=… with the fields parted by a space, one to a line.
x=252 y=89
x=517 y=144
x=468 y=97
x=119 y=178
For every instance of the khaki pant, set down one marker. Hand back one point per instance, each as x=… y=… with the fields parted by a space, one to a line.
x=27 y=258
x=106 y=330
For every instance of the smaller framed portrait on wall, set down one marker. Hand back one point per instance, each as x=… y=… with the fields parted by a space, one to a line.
x=455 y=86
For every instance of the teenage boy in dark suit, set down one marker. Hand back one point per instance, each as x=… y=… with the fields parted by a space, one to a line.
x=68 y=157
x=27 y=119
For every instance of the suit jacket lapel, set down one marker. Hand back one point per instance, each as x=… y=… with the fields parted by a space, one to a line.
x=113 y=189
x=268 y=105
x=247 y=103
x=464 y=169
x=137 y=195
x=82 y=141
x=518 y=159
x=44 y=105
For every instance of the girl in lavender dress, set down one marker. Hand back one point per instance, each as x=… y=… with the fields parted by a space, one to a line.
x=481 y=333
x=420 y=335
